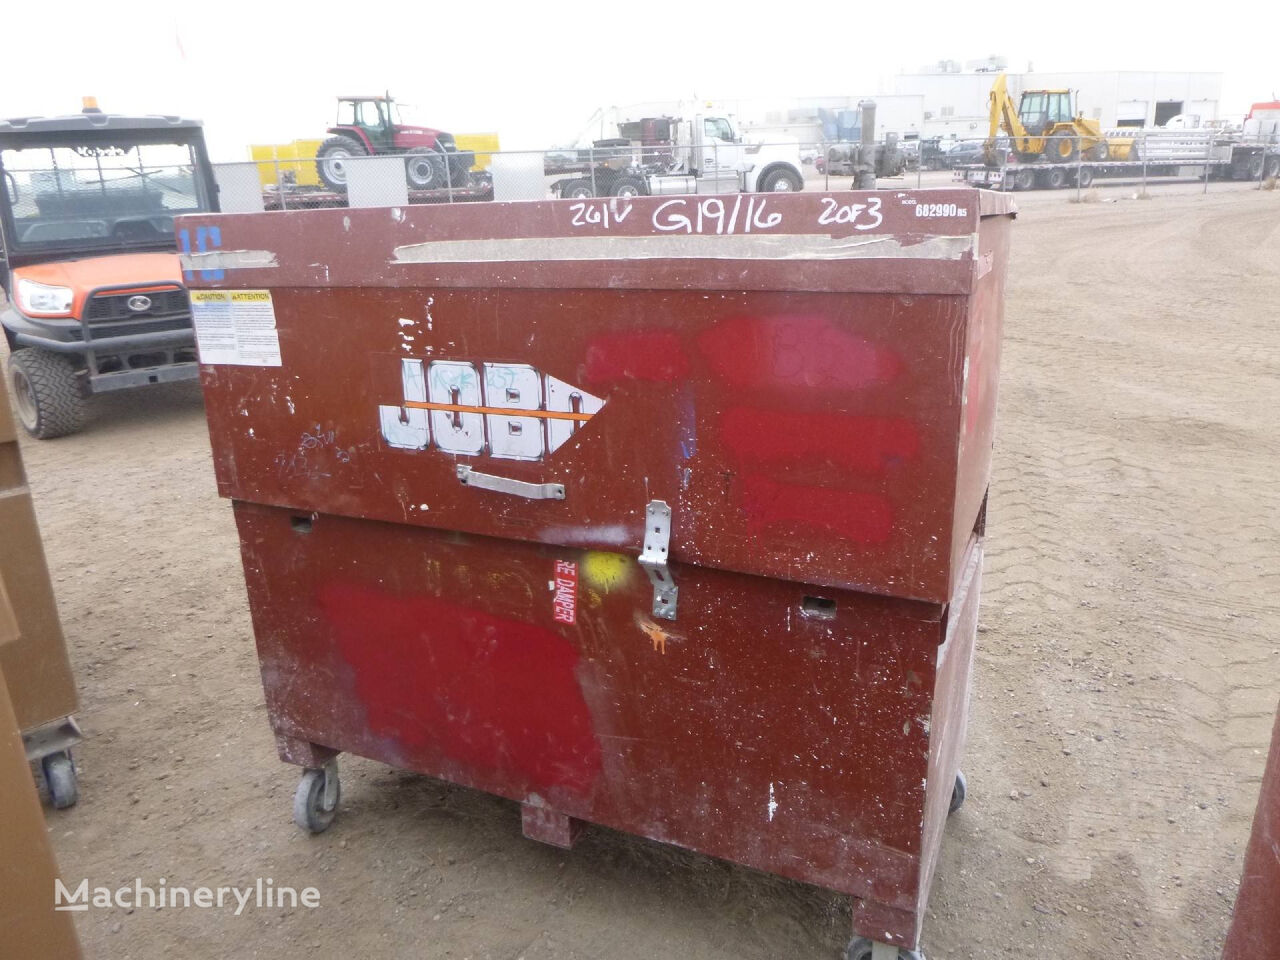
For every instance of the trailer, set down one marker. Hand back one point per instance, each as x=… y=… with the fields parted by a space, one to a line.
x=292 y=196
x=1252 y=154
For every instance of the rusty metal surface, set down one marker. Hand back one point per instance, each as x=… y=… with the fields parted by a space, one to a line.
x=1255 y=922
x=444 y=486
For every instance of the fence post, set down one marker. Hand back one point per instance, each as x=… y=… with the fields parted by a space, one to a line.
x=1208 y=155
x=448 y=176
x=1079 y=166
x=1143 y=151
x=826 y=166
x=591 y=167
x=1262 y=167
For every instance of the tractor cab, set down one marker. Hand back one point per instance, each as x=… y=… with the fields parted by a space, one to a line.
x=1041 y=111
x=373 y=119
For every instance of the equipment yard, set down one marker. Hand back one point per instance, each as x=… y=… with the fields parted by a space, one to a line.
x=1126 y=677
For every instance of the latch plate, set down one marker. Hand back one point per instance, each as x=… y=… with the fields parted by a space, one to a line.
x=657 y=546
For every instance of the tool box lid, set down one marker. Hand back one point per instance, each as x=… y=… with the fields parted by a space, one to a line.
x=805 y=380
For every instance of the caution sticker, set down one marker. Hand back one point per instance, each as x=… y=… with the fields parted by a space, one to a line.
x=236 y=327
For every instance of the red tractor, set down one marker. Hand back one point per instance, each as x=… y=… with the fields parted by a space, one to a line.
x=370 y=126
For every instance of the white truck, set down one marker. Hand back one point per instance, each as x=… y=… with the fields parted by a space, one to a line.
x=662 y=156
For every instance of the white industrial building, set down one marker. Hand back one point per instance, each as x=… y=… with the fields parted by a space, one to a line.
x=956 y=104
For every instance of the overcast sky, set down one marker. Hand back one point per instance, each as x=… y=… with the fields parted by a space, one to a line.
x=534 y=72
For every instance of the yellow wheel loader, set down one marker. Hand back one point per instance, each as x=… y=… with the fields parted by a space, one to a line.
x=1043 y=125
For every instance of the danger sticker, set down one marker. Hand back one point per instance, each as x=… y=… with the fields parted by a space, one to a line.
x=565 y=600
x=236 y=327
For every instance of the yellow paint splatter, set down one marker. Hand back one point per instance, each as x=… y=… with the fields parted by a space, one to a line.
x=606 y=570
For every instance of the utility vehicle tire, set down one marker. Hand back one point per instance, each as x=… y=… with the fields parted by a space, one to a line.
x=424 y=169
x=781 y=181
x=47 y=393
x=332 y=157
x=627 y=187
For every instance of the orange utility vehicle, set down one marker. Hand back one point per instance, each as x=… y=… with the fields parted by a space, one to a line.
x=96 y=296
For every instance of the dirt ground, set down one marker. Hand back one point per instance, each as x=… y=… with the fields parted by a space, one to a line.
x=1128 y=665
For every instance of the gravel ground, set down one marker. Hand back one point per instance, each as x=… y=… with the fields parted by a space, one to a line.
x=1128 y=665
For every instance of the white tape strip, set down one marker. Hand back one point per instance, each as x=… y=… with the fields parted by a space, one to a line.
x=741 y=247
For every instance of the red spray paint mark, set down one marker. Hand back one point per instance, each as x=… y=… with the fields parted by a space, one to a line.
x=499 y=696
x=794 y=352
x=863 y=518
x=860 y=444
x=653 y=355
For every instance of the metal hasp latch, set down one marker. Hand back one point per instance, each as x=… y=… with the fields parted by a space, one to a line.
x=517 y=488
x=657 y=544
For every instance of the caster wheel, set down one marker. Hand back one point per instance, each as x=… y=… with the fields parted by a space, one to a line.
x=315 y=803
x=860 y=948
x=60 y=778
x=958 y=793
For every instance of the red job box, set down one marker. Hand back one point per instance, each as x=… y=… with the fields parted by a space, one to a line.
x=662 y=513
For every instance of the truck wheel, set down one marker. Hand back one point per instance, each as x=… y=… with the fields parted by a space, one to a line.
x=332 y=159
x=1056 y=178
x=627 y=187
x=46 y=392
x=1100 y=152
x=781 y=181
x=1024 y=179
x=424 y=169
x=577 y=190
x=1086 y=177
x=1273 y=167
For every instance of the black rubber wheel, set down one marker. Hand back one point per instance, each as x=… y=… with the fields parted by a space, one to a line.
x=1056 y=178
x=60 y=777
x=1273 y=167
x=424 y=169
x=1099 y=153
x=577 y=190
x=310 y=810
x=1024 y=179
x=860 y=949
x=1062 y=149
x=332 y=158
x=781 y=181
x=47 y=394
x=958 y=793
x=1085 y=178
x=627 y=187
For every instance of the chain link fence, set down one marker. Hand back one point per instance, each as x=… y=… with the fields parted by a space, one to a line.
x=1128 y=160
